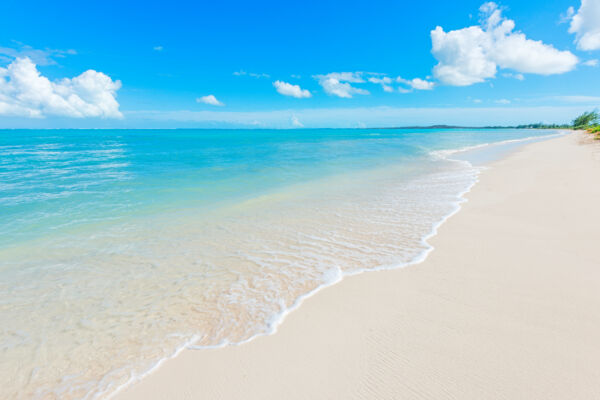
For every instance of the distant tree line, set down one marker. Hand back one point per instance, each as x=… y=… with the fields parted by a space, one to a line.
x=541 y=125
x=588 y=121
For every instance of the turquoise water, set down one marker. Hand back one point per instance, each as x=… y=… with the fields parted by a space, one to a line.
x=118 y=247
x=59 y=178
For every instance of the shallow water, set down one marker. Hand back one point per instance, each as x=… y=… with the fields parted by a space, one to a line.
x=119 y=247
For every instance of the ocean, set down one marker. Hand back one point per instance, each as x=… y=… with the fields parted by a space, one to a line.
x=118 y=248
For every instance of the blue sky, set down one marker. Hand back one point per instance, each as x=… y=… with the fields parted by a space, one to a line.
x=292 y=64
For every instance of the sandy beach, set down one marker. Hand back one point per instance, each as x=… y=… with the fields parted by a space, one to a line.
x=507 y=306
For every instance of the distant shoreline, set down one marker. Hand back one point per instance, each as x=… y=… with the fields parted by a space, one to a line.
x=531 y=126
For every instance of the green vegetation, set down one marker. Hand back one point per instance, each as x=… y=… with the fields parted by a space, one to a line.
x=589 y=121
x=595 y=130
x=586 y=120
x=541 y=125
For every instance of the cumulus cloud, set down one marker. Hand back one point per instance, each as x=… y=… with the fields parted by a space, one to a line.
x=502 y=101
x=416 y=83
x=287 y=89
x=473 y=54
x=25 y=92
x=158 y=48
x=421 y=84
x=338 y=83
x=383 y=81
x=586 y=25
x=591 y=63
x=209 y=99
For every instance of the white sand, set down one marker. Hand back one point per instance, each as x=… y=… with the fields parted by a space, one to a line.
x=507 y=306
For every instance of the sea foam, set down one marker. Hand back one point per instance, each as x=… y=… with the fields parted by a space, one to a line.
x=118 y=254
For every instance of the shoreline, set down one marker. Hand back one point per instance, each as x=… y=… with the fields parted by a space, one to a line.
x=212 y=278
x=460 y=199
x=163 y=380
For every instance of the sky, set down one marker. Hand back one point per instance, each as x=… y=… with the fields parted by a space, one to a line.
x=294 y=64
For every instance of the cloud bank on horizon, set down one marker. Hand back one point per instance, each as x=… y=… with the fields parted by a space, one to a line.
x=463 y=57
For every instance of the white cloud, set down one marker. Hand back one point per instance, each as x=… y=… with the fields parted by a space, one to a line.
x=473 y=54
x=287 y=89
x=383 y=81
x=477 y=101
x=502 y=101
x=251 y=74
x=578 y=99
x=209 y=99
x=338 y=83
x=586 y=25
x=591 y=63
x=519 y=77
x=37 y=56
x=296 y=122
x=417 y=83
x=352 y=77
x=158 y=48
x=566 y=17
x=421 y=84
x=25 y=92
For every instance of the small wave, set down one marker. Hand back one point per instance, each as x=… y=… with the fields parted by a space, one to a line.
x=445 y=154
x=191 y=279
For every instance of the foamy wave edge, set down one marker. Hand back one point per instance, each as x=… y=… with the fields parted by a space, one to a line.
x=279 y=318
